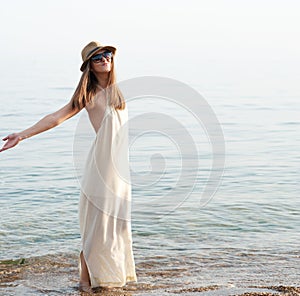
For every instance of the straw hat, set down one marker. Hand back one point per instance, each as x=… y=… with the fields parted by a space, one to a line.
x=90 y=49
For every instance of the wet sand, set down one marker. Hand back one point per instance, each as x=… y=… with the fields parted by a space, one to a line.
x=58 y=275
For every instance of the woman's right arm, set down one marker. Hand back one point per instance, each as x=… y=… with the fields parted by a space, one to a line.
x=46 y=123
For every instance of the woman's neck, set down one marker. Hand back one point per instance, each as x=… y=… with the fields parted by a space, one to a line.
x=102 y=79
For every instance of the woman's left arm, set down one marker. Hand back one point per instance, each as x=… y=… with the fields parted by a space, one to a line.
x=46 y=123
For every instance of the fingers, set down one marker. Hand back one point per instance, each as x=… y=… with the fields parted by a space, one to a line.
x=2 y=149
x=6 y=146
x=4 y=139
x=9 y=136
x=11 y=142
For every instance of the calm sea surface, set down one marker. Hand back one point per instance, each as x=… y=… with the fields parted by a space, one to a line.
x=250 y=227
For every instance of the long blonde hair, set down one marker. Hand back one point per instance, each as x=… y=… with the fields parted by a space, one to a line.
x=88 y=85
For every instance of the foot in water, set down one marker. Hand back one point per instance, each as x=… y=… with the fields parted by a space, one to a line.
x=85 y=287
x=84 y=283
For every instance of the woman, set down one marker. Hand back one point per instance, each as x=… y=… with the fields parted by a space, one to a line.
x=106 y=258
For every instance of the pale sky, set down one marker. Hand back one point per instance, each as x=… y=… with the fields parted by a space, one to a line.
x=159 y=37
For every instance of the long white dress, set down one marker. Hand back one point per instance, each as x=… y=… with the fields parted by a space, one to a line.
x=105 y=202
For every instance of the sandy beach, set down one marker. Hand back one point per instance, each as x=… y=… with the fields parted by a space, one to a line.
x=58 y=275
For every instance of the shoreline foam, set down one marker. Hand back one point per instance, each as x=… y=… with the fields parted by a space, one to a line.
x=58 y=275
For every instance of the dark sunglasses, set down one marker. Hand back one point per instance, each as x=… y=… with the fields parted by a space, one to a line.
x=98 y=57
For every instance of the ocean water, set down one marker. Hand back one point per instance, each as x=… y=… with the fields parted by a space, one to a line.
x=247 y=233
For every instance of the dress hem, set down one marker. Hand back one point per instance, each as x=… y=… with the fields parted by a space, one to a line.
x=129 y=279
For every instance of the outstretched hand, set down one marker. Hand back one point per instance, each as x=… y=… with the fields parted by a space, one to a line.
x=12 y=140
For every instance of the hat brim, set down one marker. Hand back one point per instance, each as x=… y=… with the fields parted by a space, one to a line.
x=96 y=50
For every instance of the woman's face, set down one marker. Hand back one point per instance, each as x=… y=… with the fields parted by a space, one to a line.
x=101 y=62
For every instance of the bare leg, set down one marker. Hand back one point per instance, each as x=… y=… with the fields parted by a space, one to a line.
x=84 y=283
